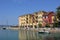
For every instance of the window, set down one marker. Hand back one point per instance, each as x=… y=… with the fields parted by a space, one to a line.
x=36 y=17
x=46 y=16
x=43 y=17
x=33 y=17
x=36 y=21
x=27 y=22
x=33 y=21
x=27 y=18
x=35 y=26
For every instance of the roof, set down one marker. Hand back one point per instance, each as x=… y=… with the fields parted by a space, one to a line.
x=45 y=13
x=51 y=13
x=25 y=15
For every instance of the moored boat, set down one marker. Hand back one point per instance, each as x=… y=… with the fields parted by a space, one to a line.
x=4 y=28
x=43 y=32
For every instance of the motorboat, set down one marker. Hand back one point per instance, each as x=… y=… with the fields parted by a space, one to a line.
x=4 y=28
x=43 y=32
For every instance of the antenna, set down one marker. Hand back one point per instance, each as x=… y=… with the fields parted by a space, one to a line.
x=7 y=21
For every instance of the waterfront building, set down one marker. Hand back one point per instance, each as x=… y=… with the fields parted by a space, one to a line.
x=25 y=20
x=51 y=16
x=22 y=21
x=48 y=18
x=45 y=19
x=32 y=20
x=38 y=18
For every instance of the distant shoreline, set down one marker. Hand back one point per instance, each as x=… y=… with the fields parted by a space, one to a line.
x=52 y=30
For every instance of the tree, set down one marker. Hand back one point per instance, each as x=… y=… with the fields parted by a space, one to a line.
x=47 y=25
x=58 y=15
x=58 y=12
x=55 y=25
x=40 y=25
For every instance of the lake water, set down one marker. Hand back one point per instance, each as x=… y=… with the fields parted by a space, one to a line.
x=8 y=34
x=26 y=35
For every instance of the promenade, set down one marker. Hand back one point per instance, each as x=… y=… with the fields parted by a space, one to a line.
x=52 y=30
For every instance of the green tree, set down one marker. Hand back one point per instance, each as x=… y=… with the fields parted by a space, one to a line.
x=40 y=25
x=47 y=25
x=58 y=15
x=55 y=25
x=58 y=12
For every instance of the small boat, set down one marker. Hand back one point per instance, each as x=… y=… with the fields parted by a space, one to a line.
x=43 y=32
x=4 y=28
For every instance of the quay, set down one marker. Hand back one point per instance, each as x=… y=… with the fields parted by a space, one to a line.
x=52 y=30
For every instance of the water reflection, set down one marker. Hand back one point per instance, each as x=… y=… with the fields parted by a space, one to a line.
x=32 y=35
x=27 y=35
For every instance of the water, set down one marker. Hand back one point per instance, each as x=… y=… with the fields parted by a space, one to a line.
x=8 y=34
x=33 y=35
x=27 y=35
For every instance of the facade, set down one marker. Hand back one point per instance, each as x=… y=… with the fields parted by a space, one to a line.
x=25 y=20
x=48 y=18
x=32 y=20
x=51 y=17
x=22 y=21
x=45 y=19
x=37 y=19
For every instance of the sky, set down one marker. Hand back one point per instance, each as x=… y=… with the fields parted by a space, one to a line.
x=10 y=10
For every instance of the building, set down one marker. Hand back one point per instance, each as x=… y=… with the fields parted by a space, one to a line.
x=51 y=17
x=38 y=18
x=25 y=20
x=32 y=20
x=45 y=19
x=48 y=18
x=22 y=21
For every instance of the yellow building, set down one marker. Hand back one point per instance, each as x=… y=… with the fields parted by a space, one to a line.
x=31 y=20
x=22 y=21
x=38 y=18
x=25 y=20
x=35 y=19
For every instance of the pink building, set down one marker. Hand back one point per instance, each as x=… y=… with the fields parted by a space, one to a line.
x=48 y=18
